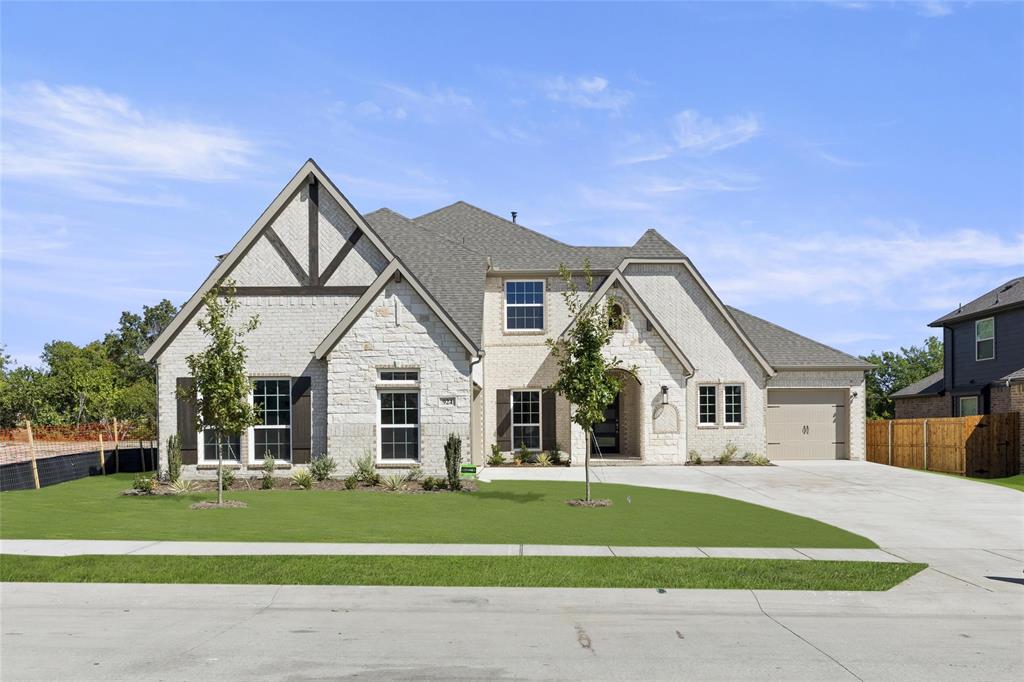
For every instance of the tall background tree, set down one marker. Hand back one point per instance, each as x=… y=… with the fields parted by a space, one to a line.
x=95 y=382
x=584 y=377
x=895 y=370
x=222 y=385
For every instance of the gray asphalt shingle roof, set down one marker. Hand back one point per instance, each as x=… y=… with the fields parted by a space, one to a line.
x=1004 y=296
x=448 y=251
x=933 y=384
x=785 y=349
x=1014 y=376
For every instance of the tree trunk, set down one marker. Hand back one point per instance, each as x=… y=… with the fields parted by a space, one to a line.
x=220 y=472
x=586 y=463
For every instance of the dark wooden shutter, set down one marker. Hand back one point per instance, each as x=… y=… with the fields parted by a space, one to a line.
x=547 y=419
x=504 y=403
x=302 y=421
x=186 y=391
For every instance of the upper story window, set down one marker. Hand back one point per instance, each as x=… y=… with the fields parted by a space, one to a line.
x=273 y=436
x=707 y=404
x=399 y=375
x=524 y=305
x=985 y=339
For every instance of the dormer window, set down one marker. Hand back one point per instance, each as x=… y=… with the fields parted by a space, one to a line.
x=985 y=339
x=616 y=318
x=524 y=305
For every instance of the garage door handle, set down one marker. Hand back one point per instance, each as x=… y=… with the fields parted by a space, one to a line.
x=807 y=429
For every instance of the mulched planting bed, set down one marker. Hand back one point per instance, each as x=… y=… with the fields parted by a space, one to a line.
x=589 y=503
x=254 y=485
x=736 y=463
x=226 y=504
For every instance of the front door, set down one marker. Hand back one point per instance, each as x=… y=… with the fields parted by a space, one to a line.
x=607 y=432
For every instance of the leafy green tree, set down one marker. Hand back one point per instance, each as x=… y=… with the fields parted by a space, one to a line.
x=584 y=371
x=221 y=383
x=136 y=333
x=896 y=370
x=81 y=379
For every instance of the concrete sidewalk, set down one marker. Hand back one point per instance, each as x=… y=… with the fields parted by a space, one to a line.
x=167 y=548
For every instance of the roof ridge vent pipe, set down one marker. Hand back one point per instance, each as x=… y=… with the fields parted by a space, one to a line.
x=515 y=214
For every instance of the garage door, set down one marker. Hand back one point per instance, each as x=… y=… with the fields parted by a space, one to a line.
x=807 y=424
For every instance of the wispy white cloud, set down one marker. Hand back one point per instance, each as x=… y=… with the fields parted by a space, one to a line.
x=98 y=144
x=934 y=9
x=837 y=160
x=587 y=92
x=702 y=135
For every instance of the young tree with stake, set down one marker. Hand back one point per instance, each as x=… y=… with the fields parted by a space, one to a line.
x=583 y=370
x=222 y=387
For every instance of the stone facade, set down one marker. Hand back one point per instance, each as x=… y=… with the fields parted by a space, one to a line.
x=397 y=330
x=923 y=407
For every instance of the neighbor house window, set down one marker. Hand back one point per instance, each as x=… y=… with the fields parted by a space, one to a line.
x=524 y=305
x=707 y=404
x=272 y=437
x=230 y=446
x=399 y=425
x=985 y=339
x=968 y=406
x=733 y=404
x=526 y=419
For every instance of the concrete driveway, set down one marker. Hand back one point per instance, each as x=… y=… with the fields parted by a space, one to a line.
x=965 y=530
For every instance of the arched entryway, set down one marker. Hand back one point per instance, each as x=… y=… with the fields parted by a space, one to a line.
x=619 y=436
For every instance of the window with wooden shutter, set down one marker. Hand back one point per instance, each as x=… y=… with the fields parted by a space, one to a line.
x=504 y=430
x=302 y=421
x=185 y=388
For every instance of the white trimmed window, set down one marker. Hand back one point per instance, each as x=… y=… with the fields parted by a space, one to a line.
x=272 y=437
x=399 y=435
x=733 y=404
x=524 y=305
x=526 y=419
x=231 y=446
x=707 y=405
x=968 y=406
x=985 y=339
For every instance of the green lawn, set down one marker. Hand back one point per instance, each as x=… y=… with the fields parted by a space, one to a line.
x=1015 y=482
x=463 y=571
x=531 y=512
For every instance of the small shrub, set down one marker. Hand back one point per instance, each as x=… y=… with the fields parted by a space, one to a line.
x=373 y=479
x=453 y=460
x=756 y=459
x=303 y=478
x=174 y=457
x=556 y=453
x=365 y=468
x=728 y=454
x=322 y=467
x=144 y=484
x=267 y=482
x=428 y=483
x=183 y=487
x=496 y=459
x=393 y=482
x=522 y=455
x=414 y=474
x=695 y=457
x=544 y=459
x=227 y=478
x=351 y=481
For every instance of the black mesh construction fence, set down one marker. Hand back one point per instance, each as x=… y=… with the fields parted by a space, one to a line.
x=62 y=468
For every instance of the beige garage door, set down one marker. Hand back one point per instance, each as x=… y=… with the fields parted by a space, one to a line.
x=807 y=424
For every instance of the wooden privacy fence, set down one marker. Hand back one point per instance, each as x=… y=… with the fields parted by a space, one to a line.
x=986 y=446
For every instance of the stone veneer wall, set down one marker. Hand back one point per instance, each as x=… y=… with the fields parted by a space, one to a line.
x=717 y=353
x=281 y=346
x=397 y=330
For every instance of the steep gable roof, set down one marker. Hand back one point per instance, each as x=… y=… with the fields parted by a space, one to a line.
x=1007 y=295
x=785 y=349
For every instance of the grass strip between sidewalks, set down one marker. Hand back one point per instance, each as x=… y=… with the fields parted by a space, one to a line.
x=462 y=571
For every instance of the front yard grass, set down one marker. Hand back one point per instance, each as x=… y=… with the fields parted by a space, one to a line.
x=519 y=512
x=462 y=571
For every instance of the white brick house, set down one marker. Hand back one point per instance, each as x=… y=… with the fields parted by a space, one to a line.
x=382 y=334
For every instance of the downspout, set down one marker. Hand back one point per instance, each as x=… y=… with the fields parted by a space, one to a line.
x=483 y=412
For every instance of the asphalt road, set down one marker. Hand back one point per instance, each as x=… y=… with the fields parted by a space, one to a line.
x=930 y=628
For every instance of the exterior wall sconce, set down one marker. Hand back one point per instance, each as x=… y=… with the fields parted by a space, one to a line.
x=854 y=394
x=664 y=395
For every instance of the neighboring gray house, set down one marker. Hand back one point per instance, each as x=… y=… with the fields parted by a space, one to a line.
x=382 y=334
x=983 y=365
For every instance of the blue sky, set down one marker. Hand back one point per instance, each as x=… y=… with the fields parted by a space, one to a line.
x=848 y=170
